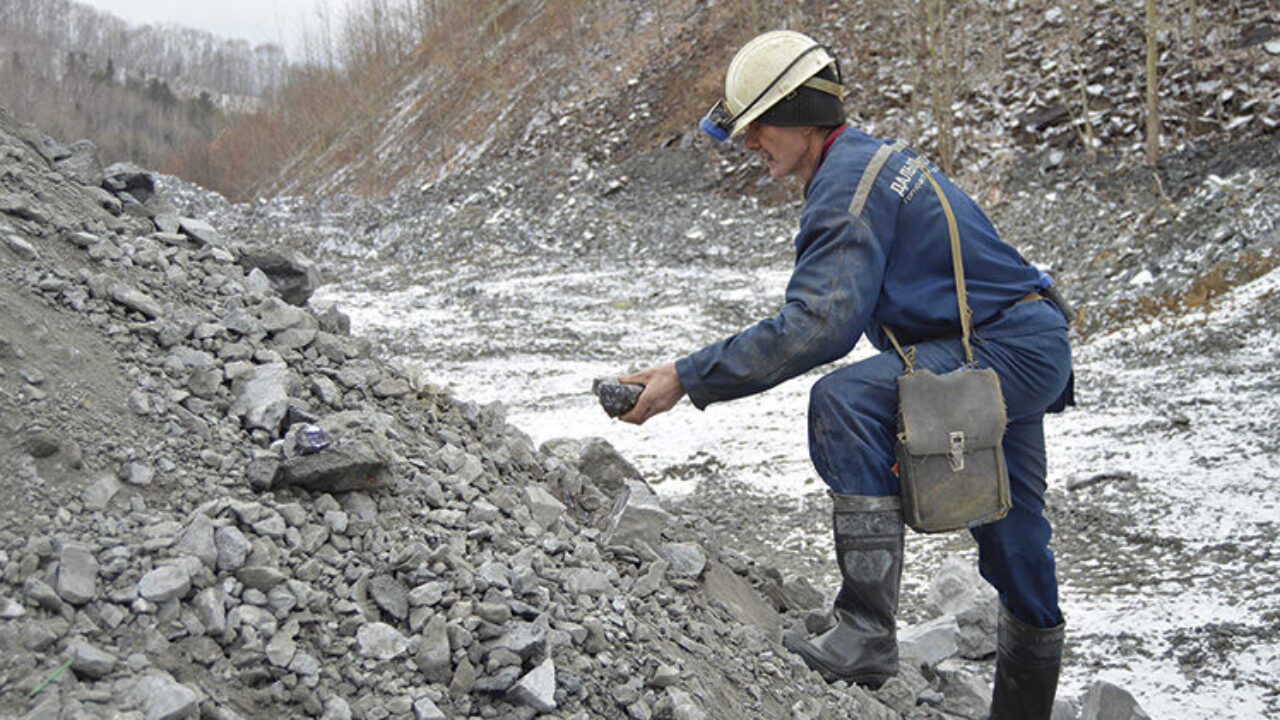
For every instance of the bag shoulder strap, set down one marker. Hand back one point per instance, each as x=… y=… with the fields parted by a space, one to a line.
x=957 y=266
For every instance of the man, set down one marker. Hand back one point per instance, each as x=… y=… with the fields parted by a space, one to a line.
x=873 y=251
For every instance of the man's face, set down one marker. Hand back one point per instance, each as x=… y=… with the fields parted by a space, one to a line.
x=784 y=149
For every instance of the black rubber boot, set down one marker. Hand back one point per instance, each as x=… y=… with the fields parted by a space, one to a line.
x=1027 y=663
x=863 y=647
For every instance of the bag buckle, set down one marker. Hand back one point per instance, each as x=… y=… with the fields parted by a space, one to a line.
x=956 y=456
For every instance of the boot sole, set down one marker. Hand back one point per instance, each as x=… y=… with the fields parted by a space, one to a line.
x=870 y=682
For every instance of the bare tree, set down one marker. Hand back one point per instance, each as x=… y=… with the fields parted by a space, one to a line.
x=1153 y=93
x=662 y=40
x=941 y=56
x=1076 y=39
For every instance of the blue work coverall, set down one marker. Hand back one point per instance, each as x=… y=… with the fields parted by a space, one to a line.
x=880 y=255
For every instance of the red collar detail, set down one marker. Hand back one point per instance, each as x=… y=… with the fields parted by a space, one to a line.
x=827 y=145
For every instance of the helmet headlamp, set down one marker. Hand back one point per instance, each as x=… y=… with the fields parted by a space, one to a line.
x=717 y=123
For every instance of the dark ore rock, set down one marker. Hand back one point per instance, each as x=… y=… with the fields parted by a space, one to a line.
x=617 y=398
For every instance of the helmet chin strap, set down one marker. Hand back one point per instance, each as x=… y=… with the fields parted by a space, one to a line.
x=826 y=86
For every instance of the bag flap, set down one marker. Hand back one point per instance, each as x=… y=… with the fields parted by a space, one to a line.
x=932 y=407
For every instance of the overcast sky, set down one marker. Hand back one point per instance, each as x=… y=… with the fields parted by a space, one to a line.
x=259 y=21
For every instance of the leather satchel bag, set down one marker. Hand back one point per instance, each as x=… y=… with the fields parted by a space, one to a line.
x=950 y=428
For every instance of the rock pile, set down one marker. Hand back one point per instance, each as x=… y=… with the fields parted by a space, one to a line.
x=223 y=505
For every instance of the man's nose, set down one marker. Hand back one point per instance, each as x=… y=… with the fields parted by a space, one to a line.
x=751 y=140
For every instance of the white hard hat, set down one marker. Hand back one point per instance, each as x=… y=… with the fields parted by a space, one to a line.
x=769 y=69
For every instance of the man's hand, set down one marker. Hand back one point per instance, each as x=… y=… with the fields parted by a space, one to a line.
x=662 y=390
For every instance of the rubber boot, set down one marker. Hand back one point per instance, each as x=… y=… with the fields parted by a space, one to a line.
x=1027 y=662
x=862 y=648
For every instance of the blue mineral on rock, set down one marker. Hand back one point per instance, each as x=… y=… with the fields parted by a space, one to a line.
x=312 y=439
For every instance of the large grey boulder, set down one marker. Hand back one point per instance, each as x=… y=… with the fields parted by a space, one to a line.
x=391 y=595
x=743 y=601
x=129 y=182
x=598 y=460
x=800 y=594
x=958 y=590
x=651 y=581
x=380 y=641
x=433 y=654
x=90 y=661
x=77 y=574
x=524 y=639
x=537 y=689
x=585 y=581
x=137 y=300
x=277 y=316
x=49 y=149
x=210 y=610
x=20 y=247
x=162 y=698
x=198 y=540
x=687 y=560
x=684 y=706
x=260 y=577
x=293 y=275
x=39 y=592
x=543 y=506
x=464 y=466
x=357 y=457
x=930 y=642
x=165 y=583
x=262 y=398
x=964 y=694
x=82 y=163
x=425 y=709
x=637 y=516
x=11 y=609
x=100 y=492
x=232 y=548
x=200 y=231
x=1105 y=701
x=281 y=650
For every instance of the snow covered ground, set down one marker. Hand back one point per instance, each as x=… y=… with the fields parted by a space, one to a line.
x=1177 y=437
